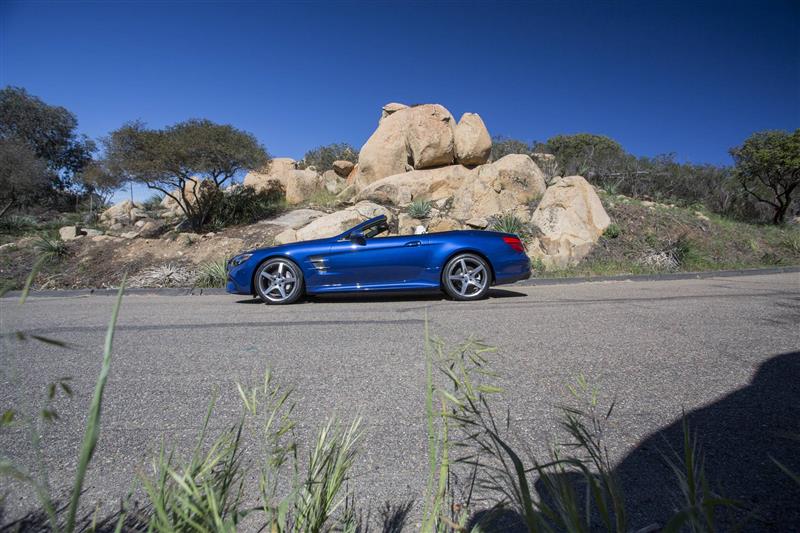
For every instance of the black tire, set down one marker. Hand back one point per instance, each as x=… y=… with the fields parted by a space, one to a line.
x=466 y=277
x=276 y=277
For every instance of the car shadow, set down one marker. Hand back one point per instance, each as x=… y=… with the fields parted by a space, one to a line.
x=399 y=296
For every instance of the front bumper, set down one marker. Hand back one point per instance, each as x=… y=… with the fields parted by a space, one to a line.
x=239 y=279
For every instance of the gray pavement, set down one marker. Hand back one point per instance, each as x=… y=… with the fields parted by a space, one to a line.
x=723 y=350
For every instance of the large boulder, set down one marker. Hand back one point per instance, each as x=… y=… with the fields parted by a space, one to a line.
x=299 y=185
x=334 y=223
x=390 y=108
x=431 y=184
x=508 y=184
x=123 y=213
x=333 y=182
x=295 y=219
x=570 y=219
x=473 y=143
x=70 y=233
x=409 y=138
x=192 y=188
x=343 y=168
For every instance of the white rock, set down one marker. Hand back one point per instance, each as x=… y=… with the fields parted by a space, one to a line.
x=295 y=219
x=570 y=219
x=472 y=139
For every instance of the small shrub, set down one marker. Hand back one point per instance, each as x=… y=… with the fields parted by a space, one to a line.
x=509 y=223
x=153 y=203
x=52 y=249
x=322 y=157
x=791 y=241
x=16 y=223
x=168 y=275
x=323 y=198
x=245 y=205
x=612 y=231
x=212 y=274
x=420 y=209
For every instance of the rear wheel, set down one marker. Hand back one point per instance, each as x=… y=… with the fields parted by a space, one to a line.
x=278 y=282
x=466 y=277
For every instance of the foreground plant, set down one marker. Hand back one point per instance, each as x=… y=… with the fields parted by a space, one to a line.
x=37 y=478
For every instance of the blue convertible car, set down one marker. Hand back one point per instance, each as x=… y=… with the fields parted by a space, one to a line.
x=462 y=263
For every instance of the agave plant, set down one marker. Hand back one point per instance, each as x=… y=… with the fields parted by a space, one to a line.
x=212 y=274
x=420 y=209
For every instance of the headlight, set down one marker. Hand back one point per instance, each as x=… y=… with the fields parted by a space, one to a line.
x=239 y=259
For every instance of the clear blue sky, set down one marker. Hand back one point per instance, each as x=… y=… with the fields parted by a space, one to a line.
x=693 y=78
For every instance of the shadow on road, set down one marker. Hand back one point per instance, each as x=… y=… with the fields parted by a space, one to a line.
x=417 y=296
x=740 y=435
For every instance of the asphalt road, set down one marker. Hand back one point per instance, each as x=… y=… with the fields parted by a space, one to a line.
x=723 y=350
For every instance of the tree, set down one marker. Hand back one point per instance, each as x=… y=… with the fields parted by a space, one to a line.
x=99 y=182
x=503 y=146
x=596 y=157
x=22 y=174
x=49 y=132
x=768 y=169
x=322 y=157
x=188 y=162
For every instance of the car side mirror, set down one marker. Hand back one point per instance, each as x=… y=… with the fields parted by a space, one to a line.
x=357 y=238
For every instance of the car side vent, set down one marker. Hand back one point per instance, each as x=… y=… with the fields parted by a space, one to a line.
x=319 y=263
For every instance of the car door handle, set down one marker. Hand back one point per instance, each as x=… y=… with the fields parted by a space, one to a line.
x=413 y=243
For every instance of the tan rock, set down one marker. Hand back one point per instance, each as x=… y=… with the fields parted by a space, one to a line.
x=570 y=219
x=431 y=184
x=478 y=223
x=408 y=138
x=299 y=185
x=390 y=108
x=406 y=224
x=295 y=219
x=507 y=185
x=343 y=168
x=286 y=236
x=281 y=165
x=472 y=140
x=152 y=228
x=333 y=182
x=439 y=225
x=70 y=233
x=335 y=223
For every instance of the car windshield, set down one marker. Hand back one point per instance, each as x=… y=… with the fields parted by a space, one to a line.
x=376 y=229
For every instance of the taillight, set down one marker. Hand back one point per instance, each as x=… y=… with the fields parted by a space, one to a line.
x=514 y=243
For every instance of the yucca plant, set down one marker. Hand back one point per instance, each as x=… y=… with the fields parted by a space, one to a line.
x=212 y=274
x=509 y=223
x=16 y=223
x=420 y=209
x=50 y=248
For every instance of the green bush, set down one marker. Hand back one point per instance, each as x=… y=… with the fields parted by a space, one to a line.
x=51 y=249
x=323 y=198
x=153 y=203
x=322 y=157
x=16 y=223
x=245 y=205
x=612 y=231
x=212 y=274
x=420 y=209
x=509 y=223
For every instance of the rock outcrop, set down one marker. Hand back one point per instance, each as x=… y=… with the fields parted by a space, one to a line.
x=343 y=168
x=569 y=220
x=124 y=213
x=473 y=143
x=298 y=184
x=334 y=223
x=408 y=138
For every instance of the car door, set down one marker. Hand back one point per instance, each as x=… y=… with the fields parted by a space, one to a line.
x=377 y=263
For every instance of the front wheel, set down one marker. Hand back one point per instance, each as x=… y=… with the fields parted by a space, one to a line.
x=466 y=277
x=279 y=282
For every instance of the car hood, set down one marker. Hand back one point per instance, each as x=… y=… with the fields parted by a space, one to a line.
x=290 y=246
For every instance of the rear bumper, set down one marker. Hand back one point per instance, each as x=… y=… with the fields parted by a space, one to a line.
x=513 y=269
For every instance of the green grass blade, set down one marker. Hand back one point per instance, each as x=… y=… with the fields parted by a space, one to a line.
x=92 y=432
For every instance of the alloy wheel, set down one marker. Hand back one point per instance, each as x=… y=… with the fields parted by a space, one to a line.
x=467 y=276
